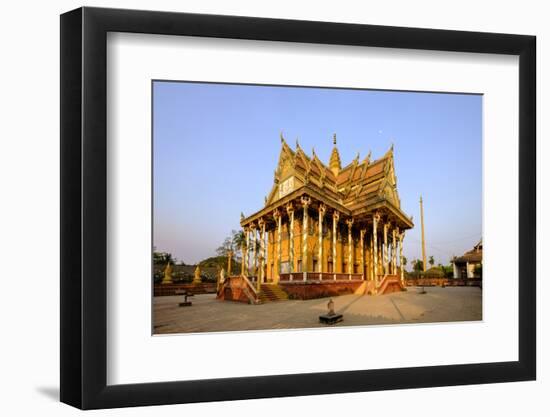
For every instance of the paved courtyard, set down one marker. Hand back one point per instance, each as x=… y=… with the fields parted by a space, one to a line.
x=210 y=315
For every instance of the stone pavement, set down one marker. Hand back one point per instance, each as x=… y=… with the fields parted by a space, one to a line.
x=210 y=315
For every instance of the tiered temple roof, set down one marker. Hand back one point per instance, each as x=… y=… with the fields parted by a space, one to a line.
x=356 y=189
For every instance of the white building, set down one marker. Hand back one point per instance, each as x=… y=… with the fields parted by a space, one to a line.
x=470 y=264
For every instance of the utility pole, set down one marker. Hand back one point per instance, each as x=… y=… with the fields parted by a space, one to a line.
x=423 y=238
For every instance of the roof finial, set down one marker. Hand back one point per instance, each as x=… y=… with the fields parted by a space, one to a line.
x=334 y=163
x=297 y=143
x=282 y=137
x=334 y=138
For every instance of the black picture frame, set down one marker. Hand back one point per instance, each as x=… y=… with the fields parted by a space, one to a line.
x=84 y=207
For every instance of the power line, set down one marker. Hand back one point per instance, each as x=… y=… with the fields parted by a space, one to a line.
x=458 y=239
x=442 y=251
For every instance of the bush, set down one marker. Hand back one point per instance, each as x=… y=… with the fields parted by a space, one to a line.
x=434 y=271
x=478 y=271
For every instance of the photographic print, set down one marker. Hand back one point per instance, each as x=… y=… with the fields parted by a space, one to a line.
x=290 y=207
x=330 y=183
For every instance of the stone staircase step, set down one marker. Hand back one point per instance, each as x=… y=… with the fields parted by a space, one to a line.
x=271 y=293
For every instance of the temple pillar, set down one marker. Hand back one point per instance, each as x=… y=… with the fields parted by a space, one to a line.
x=245 y=267
x=349 y=222
x=229 y=260
x=381 y=253
x=335 y=218
x=369 y=260
x=394 y=251
x=385 y=259
x=401 y=237
x=243 y=258
x=361 y=242
x=254 y=244
x=261 y=277
x=278 y=219
x=290 y=211
x=371 y=257
x=375 y=219
x=306 y=201
x=322 y=210
x=380 y=258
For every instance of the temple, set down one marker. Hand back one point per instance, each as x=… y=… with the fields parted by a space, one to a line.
x=324 y=229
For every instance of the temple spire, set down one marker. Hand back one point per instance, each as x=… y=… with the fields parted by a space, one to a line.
x=334 y=163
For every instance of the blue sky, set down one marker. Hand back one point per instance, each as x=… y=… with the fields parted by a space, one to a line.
x=216 y=147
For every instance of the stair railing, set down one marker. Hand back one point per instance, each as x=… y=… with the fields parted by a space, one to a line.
x=249 y=286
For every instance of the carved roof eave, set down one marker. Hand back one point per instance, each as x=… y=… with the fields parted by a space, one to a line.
x=404 y=221
x=309 y=189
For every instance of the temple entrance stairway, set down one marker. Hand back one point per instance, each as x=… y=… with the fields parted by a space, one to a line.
x=389 y=284
x=271 y=292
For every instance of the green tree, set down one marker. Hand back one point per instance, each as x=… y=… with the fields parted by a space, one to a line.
x=163 y=258
x=478 y=271
x=234 y=243
x=448 y=269
x=431 y=261
x=225 y=247
x=239 y=241
x=418 y=265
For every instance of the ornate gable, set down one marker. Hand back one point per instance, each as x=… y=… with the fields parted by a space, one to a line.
x=283 y=181
x=389 y=188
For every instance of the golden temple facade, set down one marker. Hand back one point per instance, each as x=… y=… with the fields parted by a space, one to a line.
x=324 y=222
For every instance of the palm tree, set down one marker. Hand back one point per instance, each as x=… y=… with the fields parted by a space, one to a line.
x=431 y=261
x=418 y=265
x=239 y=239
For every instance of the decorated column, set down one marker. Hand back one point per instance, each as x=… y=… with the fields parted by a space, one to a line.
x=246 y=270
x=243 y=259
x=362 y=243
x=395 y=230
x=261 y=278
x=385 y=259
x=266 y=251
x=401 y=237
x=306 y=201
x=380 y=258
x=375 y=219
x=290 y=211
x=370 y=259
x=229 y=260
x=254 y=258
x=322 y=210
x=335 y=218
x=278 y=219
x=349 y=222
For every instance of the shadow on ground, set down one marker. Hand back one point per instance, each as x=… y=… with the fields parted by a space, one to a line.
x=49 y=392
